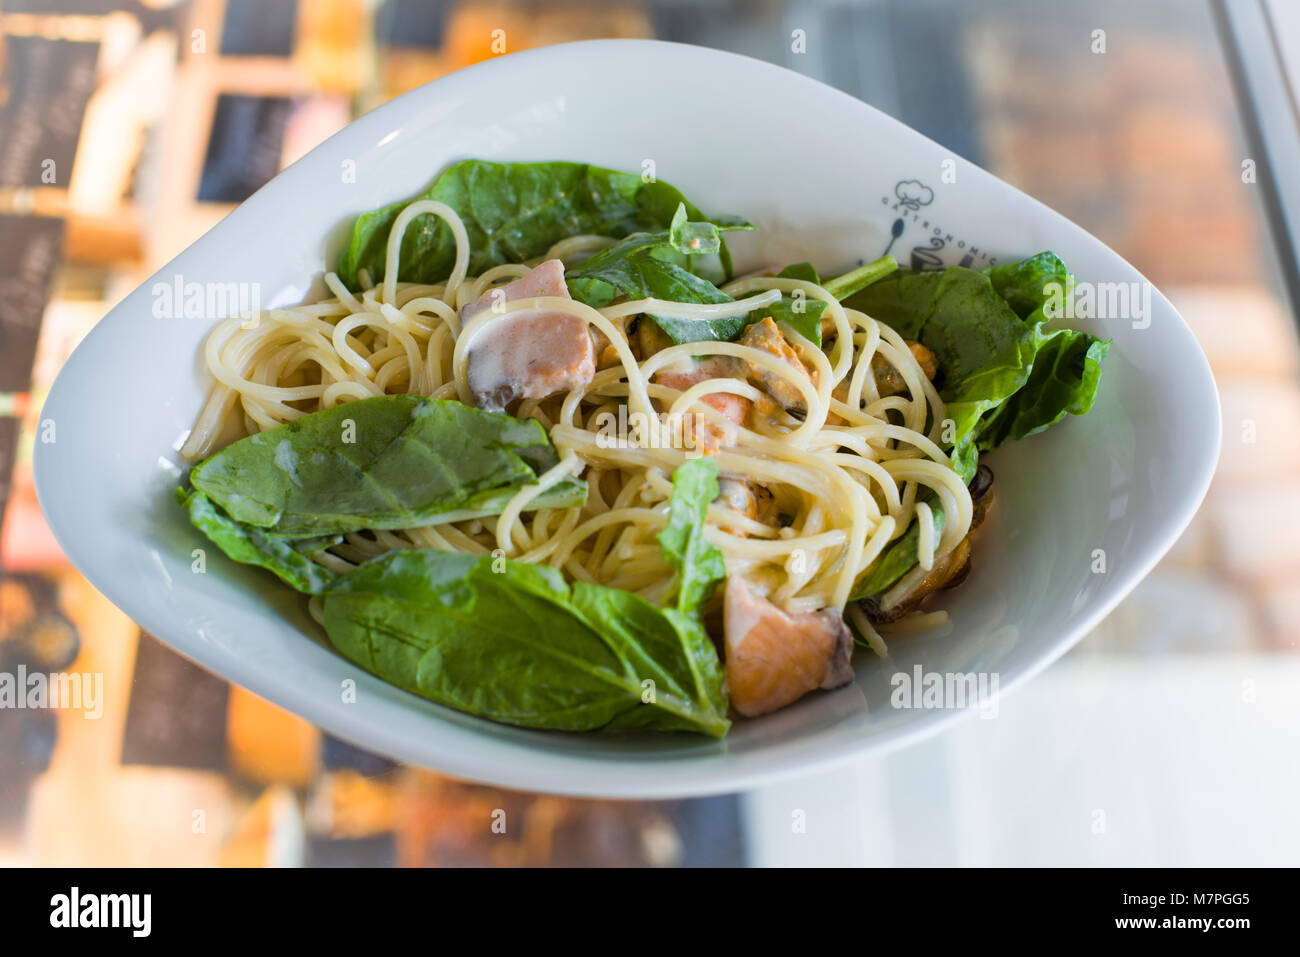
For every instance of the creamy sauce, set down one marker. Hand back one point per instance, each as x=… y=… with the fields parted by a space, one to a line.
x=286 y=459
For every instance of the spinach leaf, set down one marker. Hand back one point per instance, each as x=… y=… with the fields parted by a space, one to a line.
x=647 y=265
x=1002 y=374
x=1067 y=369
x=700 y=568
x=899 y=556
x=513 y=642
x=386 y=462
x=516 y=644
x=804 y=315
x=659 y=265
x=670 y=648
x=1023 y=284
x=514 y=212
x=254 y=546
x=805 y=271
x=682 y=543
x=983 y=348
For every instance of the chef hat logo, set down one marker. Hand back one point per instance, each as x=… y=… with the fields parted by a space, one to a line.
x=914 y=194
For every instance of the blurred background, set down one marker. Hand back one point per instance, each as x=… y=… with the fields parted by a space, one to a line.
x=1169 y=736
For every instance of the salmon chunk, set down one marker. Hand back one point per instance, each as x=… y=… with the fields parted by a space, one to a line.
x=545 y=279
x=529 y=354
x=766 y=335
x=709 y=436
x=774 y=658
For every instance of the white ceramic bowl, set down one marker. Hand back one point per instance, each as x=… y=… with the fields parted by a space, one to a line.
x=825 y=176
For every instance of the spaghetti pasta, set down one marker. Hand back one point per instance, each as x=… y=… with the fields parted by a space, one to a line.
x=843 y=476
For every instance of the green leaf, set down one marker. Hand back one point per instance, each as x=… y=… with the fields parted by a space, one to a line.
x=804 y=271
x=1064 y=379
x=659 y=265
x=668 y=647
x=385 y=462
x=514 y=212
x=1024 y=285
x=1003 y=375
x=693 y=239
x=519 y=646
x=253 y=546
x=803 y=315
x=699 y=564
x=983 y=348
x=899 y=556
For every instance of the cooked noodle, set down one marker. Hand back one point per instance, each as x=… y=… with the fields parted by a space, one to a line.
x=845 y=478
